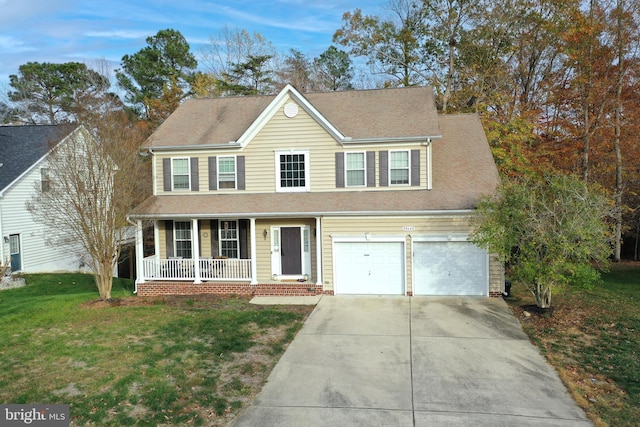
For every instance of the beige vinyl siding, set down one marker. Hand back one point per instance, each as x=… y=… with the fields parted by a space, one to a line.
x=162 y=239
x=281 y=133
x=394 y=227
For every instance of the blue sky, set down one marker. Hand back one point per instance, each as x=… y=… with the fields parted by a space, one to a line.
x=94 y=31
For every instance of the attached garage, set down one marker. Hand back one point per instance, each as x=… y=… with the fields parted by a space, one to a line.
x=449 y=268
x=363 y=268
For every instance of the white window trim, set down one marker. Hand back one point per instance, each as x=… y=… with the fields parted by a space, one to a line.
x=307 y=174
x=235 y=172
x=346 y=168
x=175 y=238
x=237 y=239
x=45 y=179
x=173 y=187
x=408 y=168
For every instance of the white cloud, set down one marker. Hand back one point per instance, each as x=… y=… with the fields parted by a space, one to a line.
x=118 y=34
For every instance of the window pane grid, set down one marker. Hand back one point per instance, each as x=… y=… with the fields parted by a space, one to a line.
x=399 y=167
x=180 y=172
x=182 y=230
x=355 y=169
x=292 y=173
x=229 y=243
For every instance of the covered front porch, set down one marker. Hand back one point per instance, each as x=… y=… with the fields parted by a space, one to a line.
x=266 y=256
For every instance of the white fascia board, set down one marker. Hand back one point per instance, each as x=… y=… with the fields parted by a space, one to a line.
x=276 y=104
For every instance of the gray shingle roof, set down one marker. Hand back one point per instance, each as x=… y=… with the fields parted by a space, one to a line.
x=358 y=114
x=22 y=146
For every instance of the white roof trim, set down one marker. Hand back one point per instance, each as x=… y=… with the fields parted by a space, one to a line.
x=274 y=107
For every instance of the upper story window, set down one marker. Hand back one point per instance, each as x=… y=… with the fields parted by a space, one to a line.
x=226 y=172
x=182 y=239
x=45 y=181
x=355 y=169
x=292 y=171
x=399 y=167
x=180 y=173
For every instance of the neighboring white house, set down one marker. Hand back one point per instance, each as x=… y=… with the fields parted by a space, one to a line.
x=23 y=170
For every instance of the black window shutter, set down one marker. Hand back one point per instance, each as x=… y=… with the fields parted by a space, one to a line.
x=213 y=173
x=168 y=228
x=166 y=174
x=371 y=168
x=244 y=239
x=214 y=238
x=415 y=168
x=240 y=172
x=384 y=168
x=195 y=181
x=339 y=170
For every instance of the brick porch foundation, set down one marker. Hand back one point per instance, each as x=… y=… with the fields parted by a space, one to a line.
x=262 y=289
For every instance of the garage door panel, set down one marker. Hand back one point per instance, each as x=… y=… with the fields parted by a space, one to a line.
x=449 y=268
x=363 y=268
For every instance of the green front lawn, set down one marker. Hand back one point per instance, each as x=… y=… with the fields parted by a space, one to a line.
x=593 y=339
x=179 y=360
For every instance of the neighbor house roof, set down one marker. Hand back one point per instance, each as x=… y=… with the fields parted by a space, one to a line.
x=463 y=170
x=398 y=113
x=22 y=146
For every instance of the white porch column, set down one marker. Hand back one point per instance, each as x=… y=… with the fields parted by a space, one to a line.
x=139 y=254
x=318 y=236
x=156 y=239
x=195 y=253
x=254 y=267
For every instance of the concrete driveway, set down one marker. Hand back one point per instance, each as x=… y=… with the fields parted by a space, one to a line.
x=412 y=361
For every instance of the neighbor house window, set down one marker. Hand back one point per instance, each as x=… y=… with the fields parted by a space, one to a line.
x=399 y=167
x=293 y=171
x=229 y=242
x=355 y=169
x=182 y=239
x=227 y=172
x=180 y=173
x=44 y=180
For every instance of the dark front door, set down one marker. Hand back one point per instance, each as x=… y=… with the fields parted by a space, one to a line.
x=14 y=252
x=290 y=252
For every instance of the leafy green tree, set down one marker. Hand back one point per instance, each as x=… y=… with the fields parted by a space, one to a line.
x=50 y=93
x=166 y=65
x=252 y=77
x=333 y=70
x=397 y=47
x=551 y=232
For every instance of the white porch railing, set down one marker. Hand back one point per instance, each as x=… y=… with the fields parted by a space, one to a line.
x=184 y=269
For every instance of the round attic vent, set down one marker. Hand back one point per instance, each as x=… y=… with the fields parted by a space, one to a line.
x=291 y=110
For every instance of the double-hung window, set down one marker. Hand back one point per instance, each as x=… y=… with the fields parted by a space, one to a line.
x=292 y=171
x=180 y=173
x=45 y=181
x=182 y=239
x=229 y=242
x=399 y=167
x=227 y=172
x=355 y=169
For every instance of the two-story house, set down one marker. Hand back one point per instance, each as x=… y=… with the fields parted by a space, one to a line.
x=355 y=192
x=24 y=154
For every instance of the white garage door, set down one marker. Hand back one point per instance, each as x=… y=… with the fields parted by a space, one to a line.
x=369 y=268
x=449 y=268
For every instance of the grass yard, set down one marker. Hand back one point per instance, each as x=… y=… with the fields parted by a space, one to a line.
x=593 y=339
x=171 y=361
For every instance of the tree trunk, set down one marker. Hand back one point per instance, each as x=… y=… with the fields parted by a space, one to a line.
x=617 y=137
x=542 y=294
